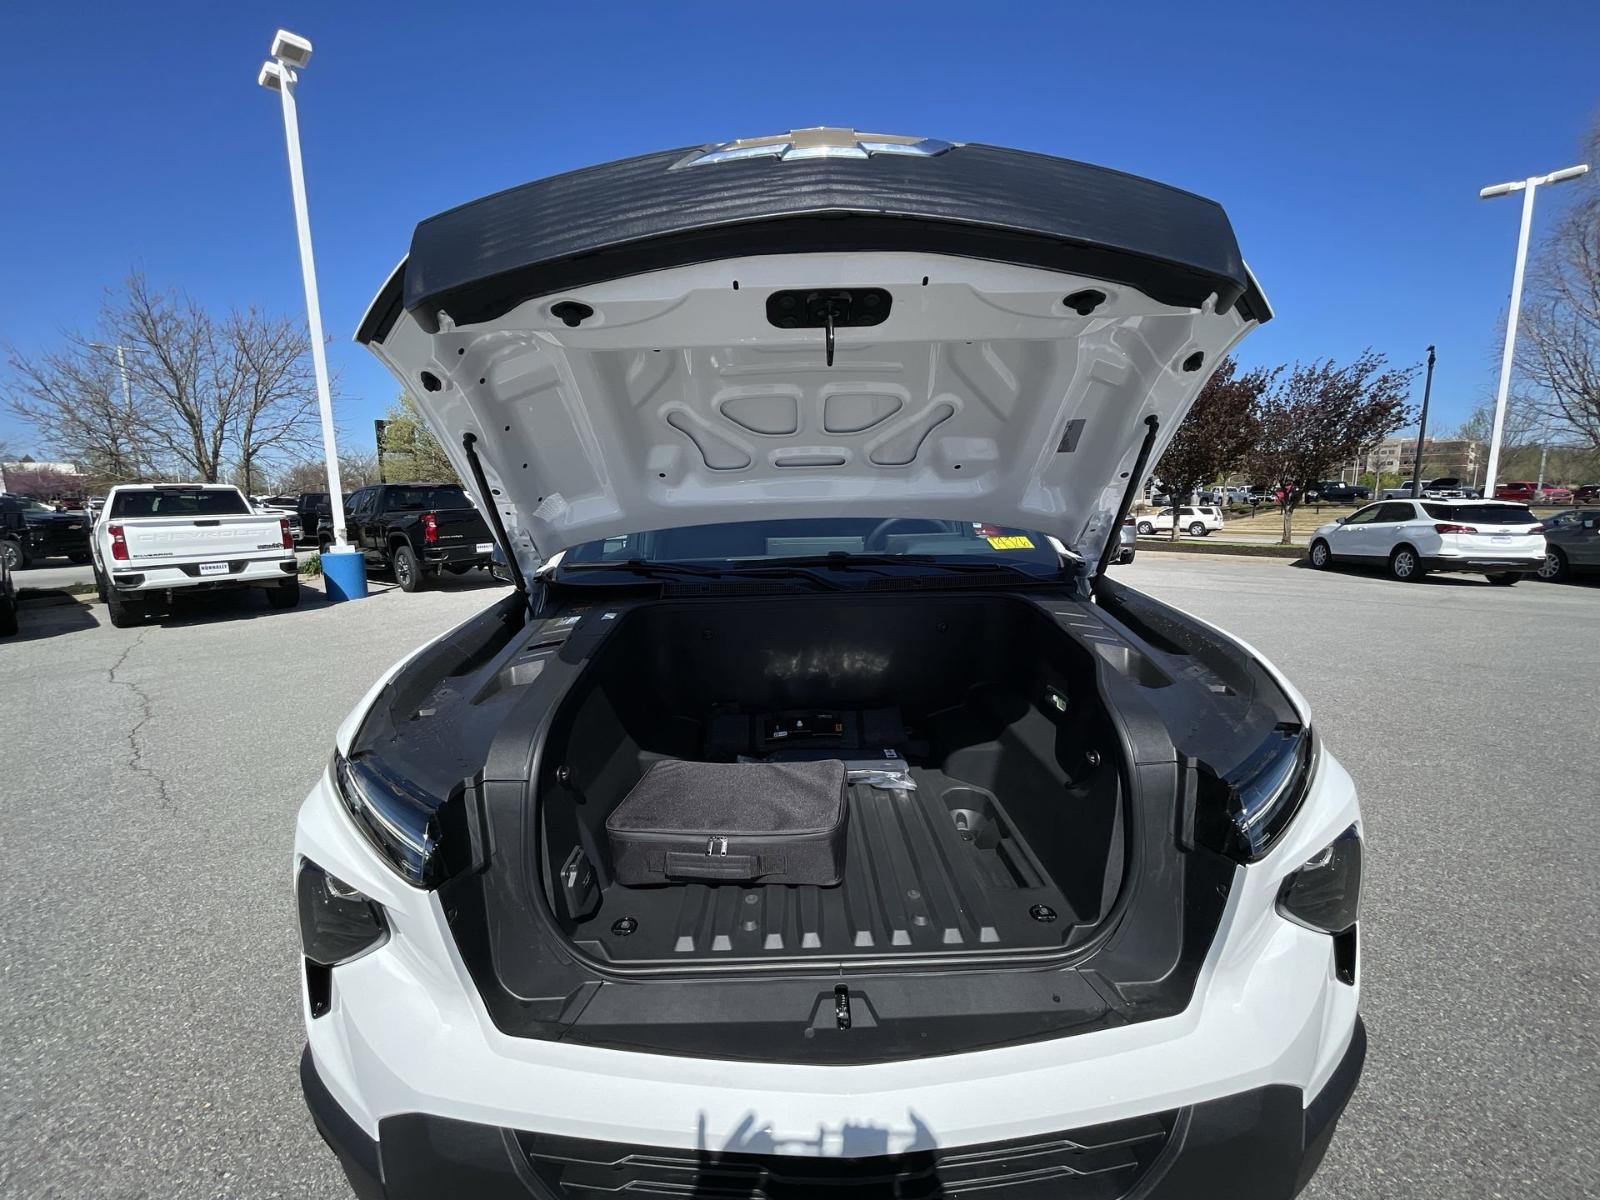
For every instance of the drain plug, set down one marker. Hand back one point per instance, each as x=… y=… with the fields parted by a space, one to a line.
x=1042 y=913
x=626 y=925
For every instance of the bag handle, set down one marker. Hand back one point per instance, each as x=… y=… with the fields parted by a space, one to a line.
x=683 y=865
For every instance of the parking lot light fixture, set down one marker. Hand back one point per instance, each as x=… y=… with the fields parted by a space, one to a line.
x=1422 y=431
x=346 y=578
x=1527 y=187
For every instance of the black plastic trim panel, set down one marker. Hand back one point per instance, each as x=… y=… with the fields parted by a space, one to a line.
x=625 y=218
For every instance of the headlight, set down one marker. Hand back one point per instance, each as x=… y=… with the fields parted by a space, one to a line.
x=1265 y=791
x=1325 y=894
x=400 y=820
x=337 y=923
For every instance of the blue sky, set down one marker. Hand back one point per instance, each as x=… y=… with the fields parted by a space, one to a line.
x=1347 y=141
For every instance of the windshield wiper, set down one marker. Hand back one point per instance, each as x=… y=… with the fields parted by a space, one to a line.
x=647 y=569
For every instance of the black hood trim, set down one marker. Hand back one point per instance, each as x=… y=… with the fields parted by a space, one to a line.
x=482 y=259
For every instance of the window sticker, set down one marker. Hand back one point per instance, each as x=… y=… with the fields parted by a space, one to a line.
x=1017 y=542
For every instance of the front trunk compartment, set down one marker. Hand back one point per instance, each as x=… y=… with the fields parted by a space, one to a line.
x=529 y=730
x=995 y=825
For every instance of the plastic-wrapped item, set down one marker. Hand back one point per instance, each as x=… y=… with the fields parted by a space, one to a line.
x=891 y=776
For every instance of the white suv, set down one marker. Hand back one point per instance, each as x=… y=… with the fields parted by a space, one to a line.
x=809 y=453
x=1497 y=538
x=1196 y=520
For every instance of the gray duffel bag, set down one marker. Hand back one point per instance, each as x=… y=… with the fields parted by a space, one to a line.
x=732 y=823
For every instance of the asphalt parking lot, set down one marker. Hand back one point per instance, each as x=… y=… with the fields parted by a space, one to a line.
x=150 y=1028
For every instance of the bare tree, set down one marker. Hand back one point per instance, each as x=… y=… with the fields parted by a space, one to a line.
x=73 y=396
x=1560 y=370
x=166 y=389
x=1217 y=434
x=189 y=368
x=358 y=469
x=276 y=419
x=297 y=477
x=1319 y=415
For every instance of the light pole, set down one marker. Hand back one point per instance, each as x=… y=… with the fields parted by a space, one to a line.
x=1422 y=431
x=379 y=425
x=127 y=392
x=122 y=370
x=1526 y=187
x=345 y=576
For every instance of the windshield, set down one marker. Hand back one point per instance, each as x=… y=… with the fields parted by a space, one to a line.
x=179 y=502
x=920 y=541
x=27 y=504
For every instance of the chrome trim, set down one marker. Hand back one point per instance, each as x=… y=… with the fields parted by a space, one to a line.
x=819 y=142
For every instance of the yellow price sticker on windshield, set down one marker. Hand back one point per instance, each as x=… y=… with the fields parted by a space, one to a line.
x=1011 y=543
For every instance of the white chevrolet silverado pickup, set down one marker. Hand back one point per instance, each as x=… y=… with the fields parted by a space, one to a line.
x=155 y=539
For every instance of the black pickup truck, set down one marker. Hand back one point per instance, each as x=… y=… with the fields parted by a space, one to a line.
x=418 y=529
x=30 y=529
x=316 y=517
x=8 y=596
x=1336 y=491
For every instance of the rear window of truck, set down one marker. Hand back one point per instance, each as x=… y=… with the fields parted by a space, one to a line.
x=179 y=502
x=420 y=499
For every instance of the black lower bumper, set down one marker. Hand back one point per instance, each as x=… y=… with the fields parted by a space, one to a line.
x=456 y=556
x=1263 y=1144
x=1484 y=563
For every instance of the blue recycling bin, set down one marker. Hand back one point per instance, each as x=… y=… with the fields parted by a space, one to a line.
x=344 y=574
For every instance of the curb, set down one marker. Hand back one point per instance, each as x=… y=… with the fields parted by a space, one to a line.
x=1237 y=549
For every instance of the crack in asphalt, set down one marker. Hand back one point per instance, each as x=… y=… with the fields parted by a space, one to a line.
x=135 y=763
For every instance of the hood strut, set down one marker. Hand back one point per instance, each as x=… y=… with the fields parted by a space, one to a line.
x=492 y=511
x=1135 y=482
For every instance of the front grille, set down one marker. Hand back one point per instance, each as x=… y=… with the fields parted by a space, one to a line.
x=1102 y=1162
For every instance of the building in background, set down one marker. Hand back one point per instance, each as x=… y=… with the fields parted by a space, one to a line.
x=32 y=477
x=1459 y=457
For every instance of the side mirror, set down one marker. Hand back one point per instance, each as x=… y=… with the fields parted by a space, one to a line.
x=1340 y=520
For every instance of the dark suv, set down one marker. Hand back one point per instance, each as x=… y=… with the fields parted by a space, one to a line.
x=418 y=529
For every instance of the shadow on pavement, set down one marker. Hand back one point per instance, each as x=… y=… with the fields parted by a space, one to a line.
x=249 y=604
x=47 y=614
x=1432 y=579
x=379 y=581
x=246 y=604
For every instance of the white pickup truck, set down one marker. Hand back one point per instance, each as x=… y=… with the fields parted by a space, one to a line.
x=154 y=539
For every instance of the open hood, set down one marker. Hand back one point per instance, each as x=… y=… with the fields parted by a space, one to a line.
x=818 y=324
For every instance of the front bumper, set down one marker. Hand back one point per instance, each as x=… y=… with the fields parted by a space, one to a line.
x=407 y=1053
x=57 y=543
x=1264 y=1143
